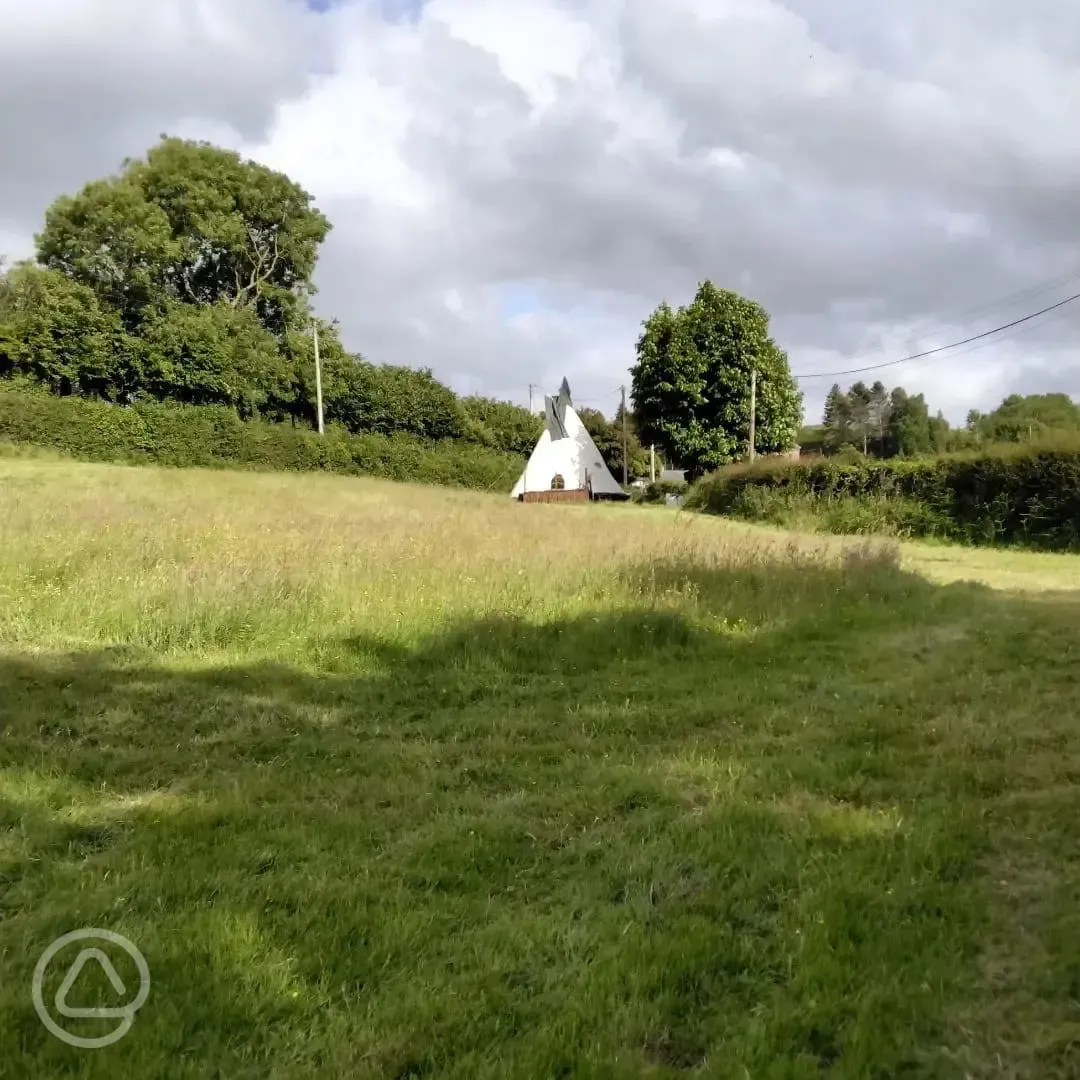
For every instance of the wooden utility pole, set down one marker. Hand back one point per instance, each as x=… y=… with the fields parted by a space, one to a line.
x=625 y=472
x=318 y=374
x=652 y=462
x=753 y=409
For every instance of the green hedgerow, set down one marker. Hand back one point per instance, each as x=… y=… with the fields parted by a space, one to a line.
x=1027 y=496
x=166 y=433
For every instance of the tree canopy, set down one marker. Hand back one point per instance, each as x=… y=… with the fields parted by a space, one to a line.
x=1020 y=418
x=188 y=277
x=608 y=436
x=692 y=382
x=881 y=422
x=886 y=424
x=192 y=224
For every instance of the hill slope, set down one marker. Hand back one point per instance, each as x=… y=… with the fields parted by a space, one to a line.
x=397 y=782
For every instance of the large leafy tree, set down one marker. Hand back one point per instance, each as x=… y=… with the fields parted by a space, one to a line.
x=188 y=276
x=909 y=431
x=185 y=276
x=194 y=224
x=691 y=381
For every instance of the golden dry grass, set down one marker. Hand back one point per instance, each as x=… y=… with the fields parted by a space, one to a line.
x=122 y=543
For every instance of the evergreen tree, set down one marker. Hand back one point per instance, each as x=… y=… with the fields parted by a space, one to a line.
x=837 y=418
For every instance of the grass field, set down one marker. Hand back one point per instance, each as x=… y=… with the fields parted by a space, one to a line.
x=399 y=782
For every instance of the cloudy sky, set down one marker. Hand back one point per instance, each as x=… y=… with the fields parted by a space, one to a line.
x=514 y=186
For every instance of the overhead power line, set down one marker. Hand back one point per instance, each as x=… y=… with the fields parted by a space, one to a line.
x=1031 y=291
x=940 y=348
x=1053 y=317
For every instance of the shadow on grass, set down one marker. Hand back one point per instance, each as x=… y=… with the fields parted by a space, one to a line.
x=647 y=839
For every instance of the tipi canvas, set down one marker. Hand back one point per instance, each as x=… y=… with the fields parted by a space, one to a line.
x=565 y=457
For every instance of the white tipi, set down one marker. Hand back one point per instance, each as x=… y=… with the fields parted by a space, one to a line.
x=565 y=457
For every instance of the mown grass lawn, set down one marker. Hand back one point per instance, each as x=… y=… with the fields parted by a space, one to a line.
x=396 y=782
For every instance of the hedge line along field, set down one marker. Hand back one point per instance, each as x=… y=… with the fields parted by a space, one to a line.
x=1008 y=495
x=390 y=781
x=167 y=433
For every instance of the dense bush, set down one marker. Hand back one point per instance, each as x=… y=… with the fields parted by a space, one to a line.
x=658 y=490
x=388 y=398
x=54 y=331
x=1022 y=495
x=206 y=435
x=501 y=425
x=212 y=354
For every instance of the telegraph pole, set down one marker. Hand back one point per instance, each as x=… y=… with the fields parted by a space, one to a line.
x=652 y=462
x=625 y=476
x=318 y=374
x=753 y=409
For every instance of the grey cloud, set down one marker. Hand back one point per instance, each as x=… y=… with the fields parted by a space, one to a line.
x=906 y=144
x=862 y=131
x=72 y=107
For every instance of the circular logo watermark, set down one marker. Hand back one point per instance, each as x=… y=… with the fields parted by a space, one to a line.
x=124 y=1013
